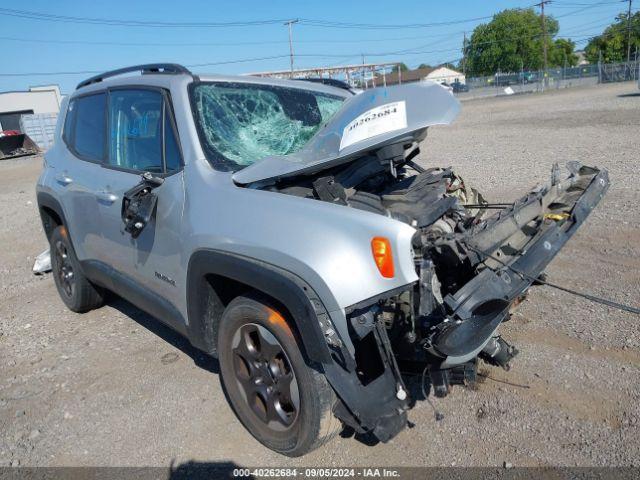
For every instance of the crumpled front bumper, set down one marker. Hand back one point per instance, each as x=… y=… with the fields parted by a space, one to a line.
x=513 y=263
x=377 y=404
x=474 y=311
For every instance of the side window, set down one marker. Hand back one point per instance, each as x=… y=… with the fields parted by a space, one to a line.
x=135 y=130
x=89 y=134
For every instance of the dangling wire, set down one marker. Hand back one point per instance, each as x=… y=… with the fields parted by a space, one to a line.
x=439 y=416
x=603 y=301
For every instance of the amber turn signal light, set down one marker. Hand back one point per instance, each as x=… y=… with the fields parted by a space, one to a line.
x=381 y=250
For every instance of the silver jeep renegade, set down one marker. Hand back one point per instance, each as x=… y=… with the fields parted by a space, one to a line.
x=285 y=228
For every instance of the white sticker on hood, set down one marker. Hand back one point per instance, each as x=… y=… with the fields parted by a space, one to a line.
x=379 y=120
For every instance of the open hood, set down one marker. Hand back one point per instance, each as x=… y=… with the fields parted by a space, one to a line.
x=366 y=122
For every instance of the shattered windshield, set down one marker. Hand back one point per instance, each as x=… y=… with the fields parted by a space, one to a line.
x=240 y=124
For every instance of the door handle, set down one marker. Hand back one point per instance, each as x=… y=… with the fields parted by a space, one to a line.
x=106 y=197
x=63 y=179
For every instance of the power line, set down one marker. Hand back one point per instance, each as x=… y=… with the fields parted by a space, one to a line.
x=588 y=7
x=195 y=65
x=371 y=26
x=273 y=57
x=573 y=4
x=264 y=42
x=413 y=51
x=572 y=31
x=222 y=44
x=31 y=15
x=561 y=3
x=42 y=16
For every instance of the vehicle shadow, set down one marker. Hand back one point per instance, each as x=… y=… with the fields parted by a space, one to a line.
x=209 y=470
x=628 y=95
x=201 y=359
x=193 y=470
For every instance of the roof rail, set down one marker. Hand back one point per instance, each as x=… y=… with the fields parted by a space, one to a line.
x=173 y=68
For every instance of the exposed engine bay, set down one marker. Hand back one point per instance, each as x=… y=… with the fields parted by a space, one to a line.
x=475 y=261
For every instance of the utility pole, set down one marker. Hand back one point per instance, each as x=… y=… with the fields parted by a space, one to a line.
x=629 y=34
x=464 y=55
x=544 y=36
x=599 y=65
x=290 y=23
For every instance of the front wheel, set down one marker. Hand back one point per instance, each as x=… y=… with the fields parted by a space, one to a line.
x=283 y=402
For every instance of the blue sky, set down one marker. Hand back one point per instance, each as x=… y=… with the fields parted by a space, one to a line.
x=31 y=46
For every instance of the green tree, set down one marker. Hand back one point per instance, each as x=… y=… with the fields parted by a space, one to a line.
x=512 y=40
x=403 y=67
x=613 y=41
x=424 y=65
x=449 y=65
x=561 y=53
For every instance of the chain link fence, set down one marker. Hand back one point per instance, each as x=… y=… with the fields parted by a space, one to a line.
x=553 y=78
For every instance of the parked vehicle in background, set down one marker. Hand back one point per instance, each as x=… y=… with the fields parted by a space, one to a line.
x=529 y=77
x=459 y=87
x=448 y=87
x=284 y=228
x=455 y=87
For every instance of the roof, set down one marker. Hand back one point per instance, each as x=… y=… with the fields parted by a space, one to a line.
x=406 y=76
x=451 y=71
x=130 y=76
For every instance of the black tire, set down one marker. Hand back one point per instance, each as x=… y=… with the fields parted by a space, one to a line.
x=273 y=418
x=75 y=290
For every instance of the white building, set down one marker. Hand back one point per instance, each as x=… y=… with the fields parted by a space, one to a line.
x=447 y=75
x=44 y=99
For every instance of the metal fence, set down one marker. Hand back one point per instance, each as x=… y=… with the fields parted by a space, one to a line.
x=540 y=80
x=619 y=72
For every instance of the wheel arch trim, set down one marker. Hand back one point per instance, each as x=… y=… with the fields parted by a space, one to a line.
x=294 y=293
x=48 y=201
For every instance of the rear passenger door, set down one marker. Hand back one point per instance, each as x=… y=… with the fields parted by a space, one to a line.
x=77 y=174
x=142 y=137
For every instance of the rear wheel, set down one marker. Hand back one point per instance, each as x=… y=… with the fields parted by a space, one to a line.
x=283 y=402
x=75 y=290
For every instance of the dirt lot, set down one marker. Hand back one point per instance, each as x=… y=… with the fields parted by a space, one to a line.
x=113 y=387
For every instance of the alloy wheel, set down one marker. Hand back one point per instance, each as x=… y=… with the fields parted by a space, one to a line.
x=265 y=377
x=64 y=269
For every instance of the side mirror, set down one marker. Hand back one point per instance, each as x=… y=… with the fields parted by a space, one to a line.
x=139 y=204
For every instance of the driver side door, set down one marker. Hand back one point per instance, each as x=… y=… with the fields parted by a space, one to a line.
x=142 y=137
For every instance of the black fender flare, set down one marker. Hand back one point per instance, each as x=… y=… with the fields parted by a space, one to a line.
x=47 y=200
x=287 y=288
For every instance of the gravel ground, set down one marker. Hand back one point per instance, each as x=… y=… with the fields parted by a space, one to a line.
x=113 y=387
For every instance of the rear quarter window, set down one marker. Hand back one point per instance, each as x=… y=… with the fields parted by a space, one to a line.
x=88 y=137
x=69 y=122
